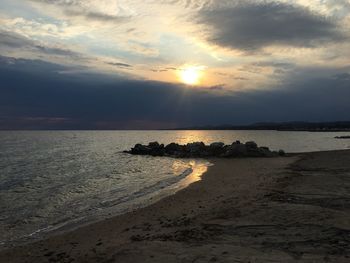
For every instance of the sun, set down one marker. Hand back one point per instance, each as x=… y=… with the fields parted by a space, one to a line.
x=191 y=75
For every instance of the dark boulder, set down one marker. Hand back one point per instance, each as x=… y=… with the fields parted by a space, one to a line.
x=195 y=148
x=254 y=151
x=156 y=149
x=173 y=148
x=342 y=137
x=154 y=144
x=216 y=148
x=251 y=145
x=140 y=149
x=265 y=152
x=235 y=150
x=217 y=145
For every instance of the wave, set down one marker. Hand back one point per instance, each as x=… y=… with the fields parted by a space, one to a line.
x=148 y=190
x=120 y=205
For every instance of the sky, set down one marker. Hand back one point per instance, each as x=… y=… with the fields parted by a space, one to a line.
x=132 y=64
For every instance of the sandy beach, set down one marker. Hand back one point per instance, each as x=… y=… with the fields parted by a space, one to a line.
x=283 y=209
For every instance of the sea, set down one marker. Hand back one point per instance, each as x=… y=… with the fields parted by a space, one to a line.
x=52 y=181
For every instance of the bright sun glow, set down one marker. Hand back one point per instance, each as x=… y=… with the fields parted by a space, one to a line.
x=191 y=75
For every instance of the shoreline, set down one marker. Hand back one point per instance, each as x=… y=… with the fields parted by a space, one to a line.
x=242 y=209
x=169 y=187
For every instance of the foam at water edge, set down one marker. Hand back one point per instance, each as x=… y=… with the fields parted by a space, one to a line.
x=148 y=195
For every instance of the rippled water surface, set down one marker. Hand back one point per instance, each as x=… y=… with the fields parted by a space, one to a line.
x=49 y=179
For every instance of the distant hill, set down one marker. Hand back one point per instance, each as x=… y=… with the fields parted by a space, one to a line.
x=281 y=126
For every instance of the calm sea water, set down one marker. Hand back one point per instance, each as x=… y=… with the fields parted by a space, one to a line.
x=51 y=180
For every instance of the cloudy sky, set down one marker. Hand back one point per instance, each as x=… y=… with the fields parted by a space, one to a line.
x=108 y=64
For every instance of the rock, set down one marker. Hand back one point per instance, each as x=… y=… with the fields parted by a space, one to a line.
x=265 y=152
x=251 y=145
x=140 y=149
x=216 y=148
x=199 y=149
x=153 y=144
x=254 y=151
x=173 y=148
x=180 y=154
x=156 y=149
x=235 y=150
x=195 y=147
x=217 y=145
x=281 y=153
x=342 y=137
x=153 y=148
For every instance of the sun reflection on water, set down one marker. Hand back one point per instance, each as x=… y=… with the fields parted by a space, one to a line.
x=193 y=136
x=198 y=169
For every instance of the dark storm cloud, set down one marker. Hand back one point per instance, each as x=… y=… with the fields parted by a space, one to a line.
x=13 y=41
x=34 y=95
x=19 y=65
x=252 y=26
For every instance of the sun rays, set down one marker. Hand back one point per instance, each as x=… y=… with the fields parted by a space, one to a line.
x=191 y=75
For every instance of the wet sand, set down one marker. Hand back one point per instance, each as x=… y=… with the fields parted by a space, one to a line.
x=286 y=209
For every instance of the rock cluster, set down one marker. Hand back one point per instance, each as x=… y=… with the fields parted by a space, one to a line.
x=199 y=149
x=342 y=137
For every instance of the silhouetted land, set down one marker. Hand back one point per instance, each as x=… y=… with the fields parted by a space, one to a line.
x=281 y=126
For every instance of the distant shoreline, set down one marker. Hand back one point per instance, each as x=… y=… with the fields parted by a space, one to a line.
x=246 y=129
x=283 y=126
x=338 y=126
x=242 y=209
